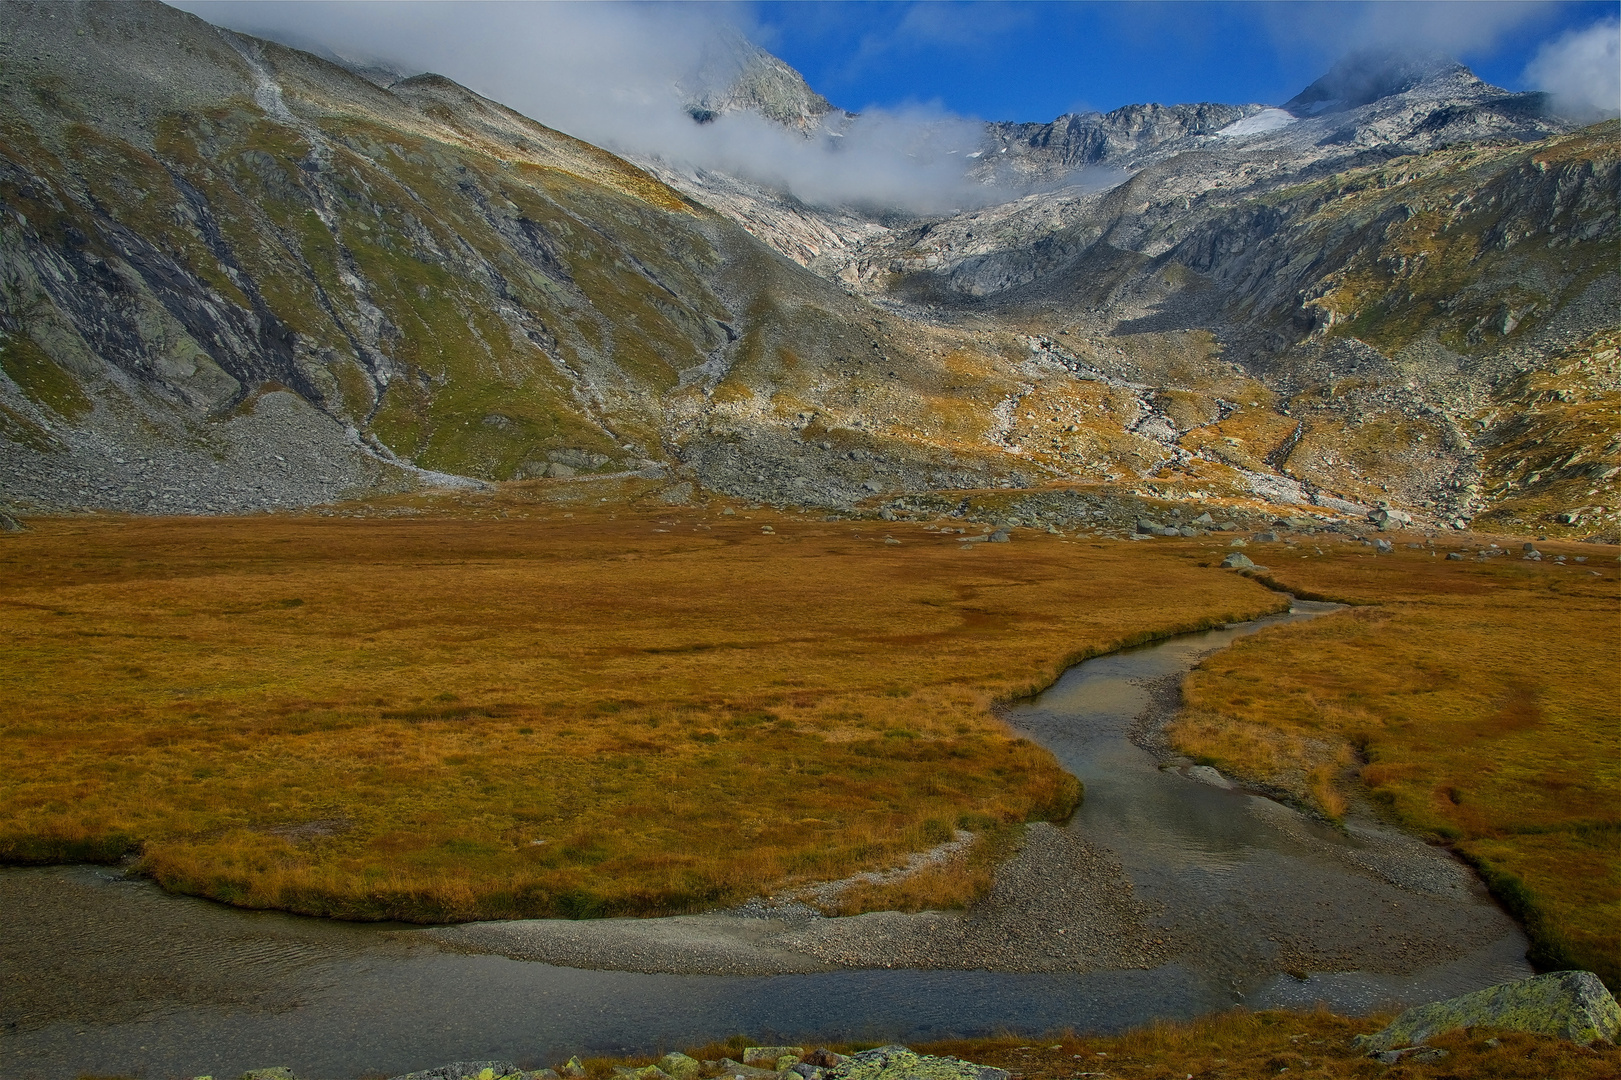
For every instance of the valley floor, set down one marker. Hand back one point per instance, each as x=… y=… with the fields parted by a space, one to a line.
x=579 y=709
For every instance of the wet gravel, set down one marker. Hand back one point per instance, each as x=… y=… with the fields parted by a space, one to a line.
x=1060 y=904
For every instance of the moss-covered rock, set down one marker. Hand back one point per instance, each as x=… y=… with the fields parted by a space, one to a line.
x=680 y=1066
x=1570 y=1005
x=900 y=1063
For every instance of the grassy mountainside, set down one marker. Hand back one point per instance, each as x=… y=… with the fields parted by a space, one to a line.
x=460 y=287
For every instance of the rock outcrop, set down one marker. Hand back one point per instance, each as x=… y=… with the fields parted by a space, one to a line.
x=1570 y=1005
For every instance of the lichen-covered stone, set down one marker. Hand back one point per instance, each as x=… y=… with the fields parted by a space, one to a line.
x=1571 y=1005
x=768 y=1055
x=679 y=1066
x=572 y=1069
x=460 y=1070
x=901 y=1063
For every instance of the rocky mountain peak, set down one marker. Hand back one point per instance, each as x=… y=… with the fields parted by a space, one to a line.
x=736 y=75
x=1367 y=75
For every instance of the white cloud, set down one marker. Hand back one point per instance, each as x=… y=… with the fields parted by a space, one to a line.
x=1582 y=70
x=1455 y=27
x=613 y=74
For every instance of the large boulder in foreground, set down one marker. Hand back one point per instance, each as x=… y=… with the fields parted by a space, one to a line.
x=900 y=1063
x=1571 y=1005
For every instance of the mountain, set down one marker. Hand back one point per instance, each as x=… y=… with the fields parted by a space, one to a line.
x=735 y=75
x=235 y=275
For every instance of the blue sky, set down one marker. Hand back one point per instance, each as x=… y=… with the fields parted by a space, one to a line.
x=1035 y=61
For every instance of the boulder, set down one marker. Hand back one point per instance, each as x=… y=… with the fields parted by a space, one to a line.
x=456 y=1070
x=1237 y=561
x=1383 y=547
x=900 y=1063
x=1000 y=536
x=1570 y=1005
x=679 y=1066
x=1187 y=530
x=1207 y=775
x=1147 y=527
x=9 y=524
x=1265 y=538
x=823 y=1058
x=277 y=1072
x=572 y=1069
x=1455 y=556
x=1237 y=542
x=1204 y=519
x=1386 y=518
x=559 y=471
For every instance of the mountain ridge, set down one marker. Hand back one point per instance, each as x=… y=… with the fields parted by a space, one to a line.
x=271 y=281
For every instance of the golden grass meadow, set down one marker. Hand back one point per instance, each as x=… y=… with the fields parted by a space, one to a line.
x=1476 y=700
x=595 y=713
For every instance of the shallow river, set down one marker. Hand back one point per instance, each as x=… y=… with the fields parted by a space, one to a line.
x=105 y=975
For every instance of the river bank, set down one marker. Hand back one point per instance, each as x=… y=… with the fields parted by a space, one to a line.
x=1162 y=898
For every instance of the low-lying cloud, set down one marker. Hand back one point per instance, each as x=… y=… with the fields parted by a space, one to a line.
x=621 y=76
x=1582 y=70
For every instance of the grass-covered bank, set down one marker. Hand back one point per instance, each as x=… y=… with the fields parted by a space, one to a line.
x=1244 y=1045
x=1238 y=1045
x=1476 y=699
x=580 y=712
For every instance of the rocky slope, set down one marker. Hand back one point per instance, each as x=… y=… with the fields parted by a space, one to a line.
x=236 y=276
x=1385 y=255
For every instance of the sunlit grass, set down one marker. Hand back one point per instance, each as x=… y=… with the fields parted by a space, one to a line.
x=443 y=719
x=1238 y=1045
x=1478 y=701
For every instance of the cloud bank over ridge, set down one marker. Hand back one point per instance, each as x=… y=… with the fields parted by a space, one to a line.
x=622 y=76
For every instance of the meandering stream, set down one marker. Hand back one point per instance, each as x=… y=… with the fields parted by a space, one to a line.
x=104 y=974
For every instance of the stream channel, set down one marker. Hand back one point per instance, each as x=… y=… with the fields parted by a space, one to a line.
x=105 y=974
